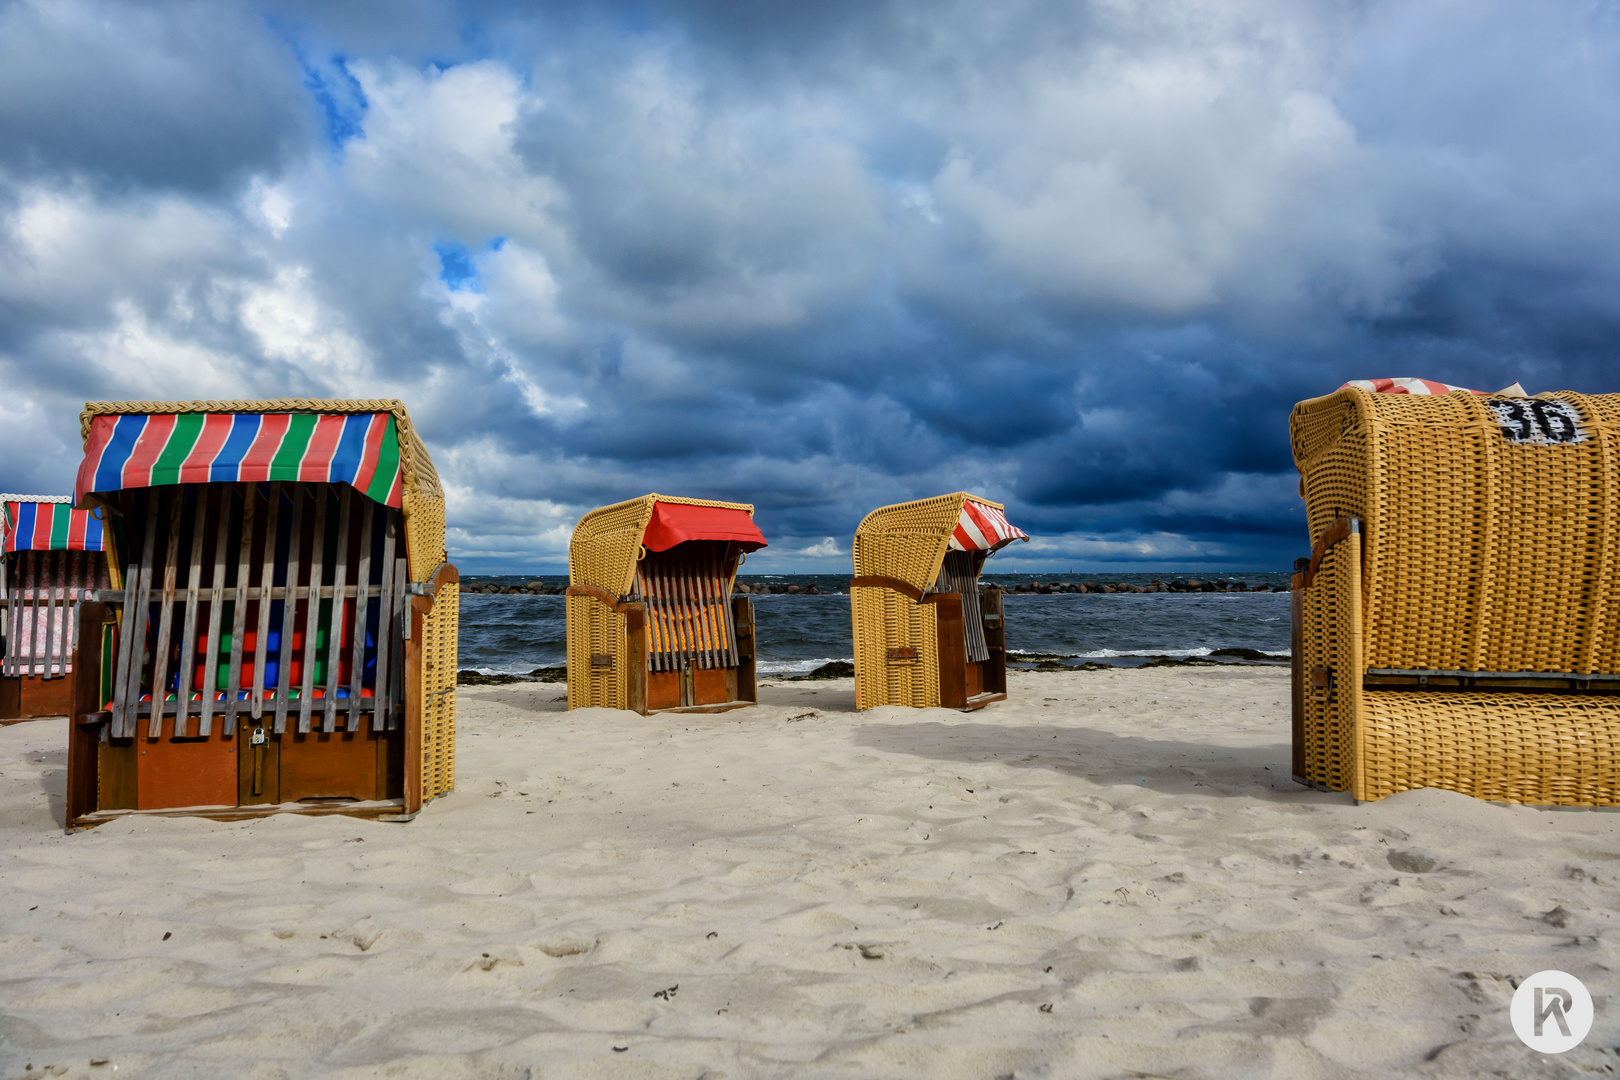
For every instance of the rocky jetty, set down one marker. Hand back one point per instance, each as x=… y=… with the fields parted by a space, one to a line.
x=1178 y=585
x=533 y=588
x=758 y=587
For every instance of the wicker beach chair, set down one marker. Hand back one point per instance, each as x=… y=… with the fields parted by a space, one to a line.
x=51 y=557
x=279 y=635
x=1457 y=624
x=925 y=634
x=652 y=624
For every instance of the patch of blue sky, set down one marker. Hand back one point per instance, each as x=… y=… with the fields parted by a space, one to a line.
x=339 y=97
x=458 y=268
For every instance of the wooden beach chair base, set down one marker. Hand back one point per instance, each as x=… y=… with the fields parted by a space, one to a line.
x=31 y=697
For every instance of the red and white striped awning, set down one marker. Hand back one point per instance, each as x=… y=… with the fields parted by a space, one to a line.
x=984 y=528
x=1424 y=386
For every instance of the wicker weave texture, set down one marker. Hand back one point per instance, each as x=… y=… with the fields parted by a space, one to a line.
x=1330 y=711
x=594 y=629
x=439 y=645
x=884 y=620
x=604 y=551
x=1481 y=554
x=906 y=541
x=1541 y=749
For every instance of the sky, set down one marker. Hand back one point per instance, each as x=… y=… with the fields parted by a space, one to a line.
x=1080 y=258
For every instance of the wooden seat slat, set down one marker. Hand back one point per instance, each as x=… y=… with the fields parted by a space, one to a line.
x=334 y=626
x=312 y=609
x=362 y=609
x=171 y=573
x=289 y=606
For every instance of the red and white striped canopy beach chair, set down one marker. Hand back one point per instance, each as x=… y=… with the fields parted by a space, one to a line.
x=925 y=634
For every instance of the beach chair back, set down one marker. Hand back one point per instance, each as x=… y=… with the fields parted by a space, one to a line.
x=1458 y=610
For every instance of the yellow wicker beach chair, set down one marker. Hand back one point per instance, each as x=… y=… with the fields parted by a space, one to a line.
x=1457 y=624
x=279 y=636
x=652 y=625
x=51 y=556
x=925 y=635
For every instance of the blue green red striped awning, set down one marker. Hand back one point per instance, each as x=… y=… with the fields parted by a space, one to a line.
x=154 y=449
x=45 y=523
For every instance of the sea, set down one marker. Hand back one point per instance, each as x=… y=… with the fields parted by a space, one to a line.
x=796 y=633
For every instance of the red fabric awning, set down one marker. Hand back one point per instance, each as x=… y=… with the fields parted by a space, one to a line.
x=674 y=523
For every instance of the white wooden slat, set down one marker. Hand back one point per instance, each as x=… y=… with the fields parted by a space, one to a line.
x=312 y=613
x=188 y=632
x=362 y=611
x=216 y=613
x=160 y=652
x=385 y=627
x=334 y=625
x=239 y=607
x=267 y=580
x=143 y=611
x=289 y=605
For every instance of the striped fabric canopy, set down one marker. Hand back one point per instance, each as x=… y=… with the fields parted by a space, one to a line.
x=135 y=451
x=1424 y=386
x=983 y=528
x=49 y=523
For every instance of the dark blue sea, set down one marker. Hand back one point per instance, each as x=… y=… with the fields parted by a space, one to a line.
x=796 y=633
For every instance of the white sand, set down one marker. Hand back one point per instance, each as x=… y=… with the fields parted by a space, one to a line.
x=1110 y=876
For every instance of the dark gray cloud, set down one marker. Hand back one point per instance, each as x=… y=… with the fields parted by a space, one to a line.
x=1084 y=258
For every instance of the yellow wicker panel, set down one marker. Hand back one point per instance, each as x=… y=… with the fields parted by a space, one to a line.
x=908 y=540
x=1332 y=641
x=885 y=619
x=1481 y=554
x=439 y=644
x=1543 y=749
x=596 y=629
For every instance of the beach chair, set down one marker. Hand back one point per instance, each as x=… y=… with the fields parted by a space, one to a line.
x=652 y=624
x=282 y=634
x=52 y=556
x=1457 y=624
x=925 y=633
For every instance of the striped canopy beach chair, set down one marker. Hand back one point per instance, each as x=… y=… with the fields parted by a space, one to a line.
x=52 y=557
x=1457 y=624
x=925 y=633
x=652 y=624
x=279 y=635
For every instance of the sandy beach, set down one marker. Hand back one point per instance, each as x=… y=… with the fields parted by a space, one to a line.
x=1111 y=875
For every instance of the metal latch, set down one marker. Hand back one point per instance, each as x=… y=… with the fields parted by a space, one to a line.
x=1321 y=677
x=257 y=738
x=903 y=654
x=602 y=660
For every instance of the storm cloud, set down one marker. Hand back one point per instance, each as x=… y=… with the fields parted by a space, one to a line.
x=1082 y=258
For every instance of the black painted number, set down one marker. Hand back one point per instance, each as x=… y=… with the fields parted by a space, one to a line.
x=1538 y=421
